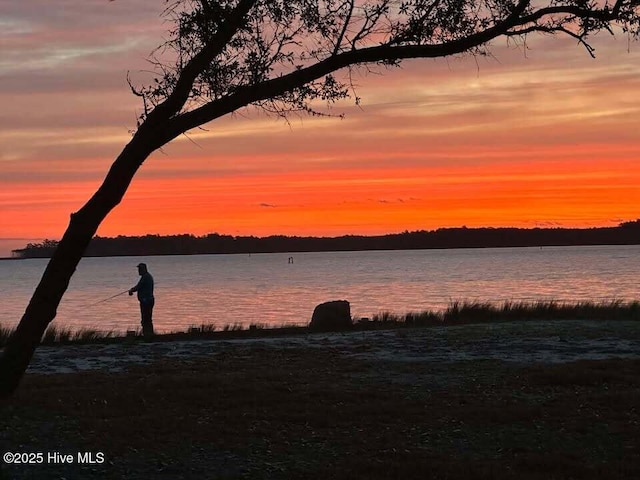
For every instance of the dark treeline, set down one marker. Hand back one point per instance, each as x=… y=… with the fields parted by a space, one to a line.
x=627 y=233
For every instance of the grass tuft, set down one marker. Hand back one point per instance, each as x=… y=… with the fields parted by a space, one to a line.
x=5 y=333
x=207 y=328
x=481 y=312
x=89 y=335
x=55 y=334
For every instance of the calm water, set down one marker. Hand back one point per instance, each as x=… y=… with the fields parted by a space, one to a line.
x=265 y=288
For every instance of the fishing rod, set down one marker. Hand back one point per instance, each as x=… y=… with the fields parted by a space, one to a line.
x=107 y=299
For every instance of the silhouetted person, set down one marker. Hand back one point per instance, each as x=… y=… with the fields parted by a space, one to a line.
x=145 y=297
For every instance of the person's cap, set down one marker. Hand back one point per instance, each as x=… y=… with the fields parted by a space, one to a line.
x=142 y=265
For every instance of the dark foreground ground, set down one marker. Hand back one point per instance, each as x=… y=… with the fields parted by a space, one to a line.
x=261 y=410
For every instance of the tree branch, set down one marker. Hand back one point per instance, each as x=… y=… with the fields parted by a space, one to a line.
x=180 y=94
x=246 y=95
x=604 y=15
x=343 y=31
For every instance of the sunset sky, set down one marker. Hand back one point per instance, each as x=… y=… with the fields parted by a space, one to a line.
x=543 y=137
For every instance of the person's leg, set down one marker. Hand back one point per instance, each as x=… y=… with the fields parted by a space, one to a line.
x=146 y=311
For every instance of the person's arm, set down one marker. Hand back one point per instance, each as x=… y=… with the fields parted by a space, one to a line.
x=136 y=288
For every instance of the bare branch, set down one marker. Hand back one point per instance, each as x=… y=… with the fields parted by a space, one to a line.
x=345 y=26
x=213 y=47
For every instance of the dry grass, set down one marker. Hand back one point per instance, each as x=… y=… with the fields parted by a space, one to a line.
x=457 y=313
x=481 y=312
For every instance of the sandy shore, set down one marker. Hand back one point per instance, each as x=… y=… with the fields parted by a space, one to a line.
x=517 y=342
x=533 y=400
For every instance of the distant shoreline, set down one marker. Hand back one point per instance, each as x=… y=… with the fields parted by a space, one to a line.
x=334 y=251
x=169 y=254
x=627 y=233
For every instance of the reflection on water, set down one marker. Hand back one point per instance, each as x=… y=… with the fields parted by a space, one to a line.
x=268 y=289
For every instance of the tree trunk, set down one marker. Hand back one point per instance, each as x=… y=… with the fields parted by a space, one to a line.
x=82 y=227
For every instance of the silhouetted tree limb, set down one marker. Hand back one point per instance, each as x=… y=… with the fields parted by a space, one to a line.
x=282 y=56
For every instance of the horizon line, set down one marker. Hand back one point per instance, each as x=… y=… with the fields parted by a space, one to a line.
x=461 y=227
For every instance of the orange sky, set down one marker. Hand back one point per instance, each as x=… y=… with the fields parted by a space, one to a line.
x=546 y=138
